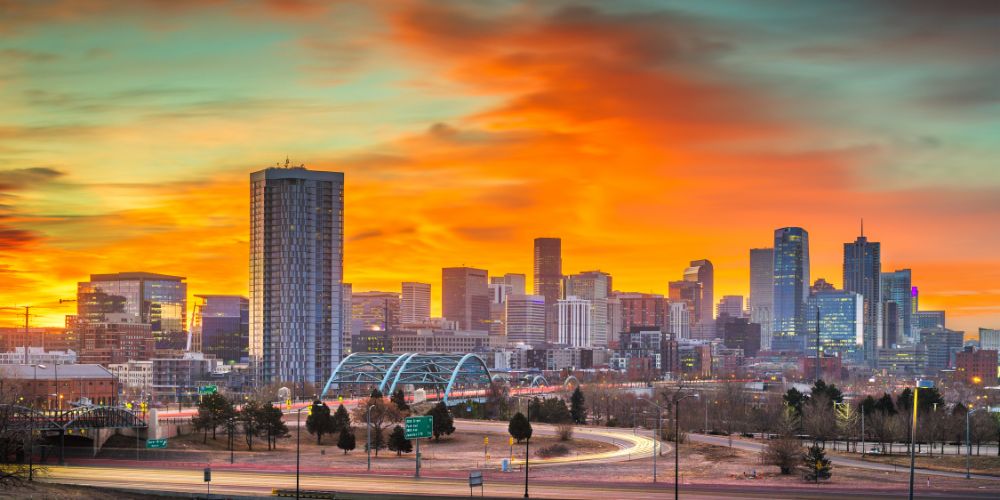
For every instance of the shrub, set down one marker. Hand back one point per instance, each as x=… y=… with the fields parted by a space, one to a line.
x=565 y=432
x=553 y=450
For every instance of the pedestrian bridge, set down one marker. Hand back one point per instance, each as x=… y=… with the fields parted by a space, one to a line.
x=447 y=373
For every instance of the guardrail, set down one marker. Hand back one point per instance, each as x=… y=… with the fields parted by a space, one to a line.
x=304 y=493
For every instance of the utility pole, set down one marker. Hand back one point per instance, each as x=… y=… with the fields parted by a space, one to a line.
x=818 y=371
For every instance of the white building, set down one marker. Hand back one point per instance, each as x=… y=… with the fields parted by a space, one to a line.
x=574 y=322
x=134 y=374
x=37 y=355
x=680 y=320
x=415 y=306
x=525 y=319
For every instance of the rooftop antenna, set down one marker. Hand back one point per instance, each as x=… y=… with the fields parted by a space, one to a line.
x=286 y=161
x=862 y=227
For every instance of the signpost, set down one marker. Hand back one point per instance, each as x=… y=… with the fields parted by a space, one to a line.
x=205 y=390
x=476 y=479
x=417 y=428
x=156 y=443
x=208 y=481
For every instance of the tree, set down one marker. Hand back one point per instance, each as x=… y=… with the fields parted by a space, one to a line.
x=816 y=464
x=271 y=425
x=885 y=405
x=831 y=391
x=213 y=410
x=783 y=452
x=320 y=421
x=382 y=414
x=346 y=441
x=399 y=399
x=444 y=424
x=795 y=399
x=519 y=427
x=818 y=419
x=577 y=409
x=249 y=417
x=398 y=442
x=497 y=400
x=341 y=419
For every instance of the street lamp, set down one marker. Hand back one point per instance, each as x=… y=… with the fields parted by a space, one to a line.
x=298 y=442
x=527 y=446
x=368 y=420
x=656 y=437
x=968 y=442
x=677 y=441
x=921 y=384
x=31 y=423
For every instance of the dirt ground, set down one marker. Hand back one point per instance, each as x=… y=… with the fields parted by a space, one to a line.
x=977 y=464
x=458 y=451
x=64 y=492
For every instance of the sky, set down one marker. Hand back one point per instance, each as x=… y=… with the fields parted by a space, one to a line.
x=645 y=134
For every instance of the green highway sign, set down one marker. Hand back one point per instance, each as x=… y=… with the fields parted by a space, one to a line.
x=156 y=443
x=419 y=427
x=208 y=389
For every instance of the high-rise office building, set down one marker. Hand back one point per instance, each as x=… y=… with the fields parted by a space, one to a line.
x=347 y=291
x=989 y=338
x=896 y=287
x=645 y=310
x=465 y=297
x=220 y=326
x=702 y=272
x=731 y=306
x=525 y=319
x=688 y=292
x=575 y=322
x=548 y=280
x=941 y=345
x=863 y=274
x=841 y=324
x=296 y=274
x=791 y=288
x=515 y=283
x=593 y=286
x=376 y=310
x=415 y=303
x=761 y=301
x=157 y=299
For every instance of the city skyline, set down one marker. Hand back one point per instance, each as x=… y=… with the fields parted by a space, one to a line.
x=454 y=160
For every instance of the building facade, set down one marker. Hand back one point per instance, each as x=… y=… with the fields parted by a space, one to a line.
x=525 y=319
x=841 y=324
x=138 y=297
x=941 y=345
x=702 y=272
x=574 y=322
x=465 y=297
x=731 y=306
x=114 y=342
x=897 y=288
x=593 y=286
x=375 y=310
x=761 y=301
x=976 y=366
x=296 y=274
x=863 y=275
x=415 y=303
x=220 y=327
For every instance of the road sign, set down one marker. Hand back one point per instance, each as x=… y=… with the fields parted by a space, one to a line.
x=156 y=443
x=419 y=427
x=207 y=389
x=208 y=474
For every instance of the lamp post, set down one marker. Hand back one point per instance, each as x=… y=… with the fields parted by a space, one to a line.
x=527 y=445
x=31 y=424
x=368 y=419
x=298 y=443
x=677 y=442
x=656 y=437
x=921 y=384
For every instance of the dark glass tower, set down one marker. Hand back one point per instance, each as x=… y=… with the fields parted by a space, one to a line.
x=863 y=275
x=548 y=280
x=791 y=288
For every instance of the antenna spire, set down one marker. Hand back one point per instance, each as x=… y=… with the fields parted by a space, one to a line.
x=862 y=227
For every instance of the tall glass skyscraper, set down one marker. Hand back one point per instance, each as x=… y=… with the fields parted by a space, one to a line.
x=703 y=273
x=761 y=303
x=296 y=274
x=863 y=275
x=896 y=287
x=791 y=288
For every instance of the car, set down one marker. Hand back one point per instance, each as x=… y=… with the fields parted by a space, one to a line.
x=875 y=451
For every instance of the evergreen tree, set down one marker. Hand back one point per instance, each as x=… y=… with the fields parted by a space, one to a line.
x=399 y=399
x=320 y=421
x=444 y=424
x=885 y=405
x=577 y=408
x=398 y=442
x=817 y=466
x=346 y=441
x=214 y=410
x=376 y=394
x=794 y=400
x=341 y=419
x=830 y=391
x=272 y=425
x=519 y=427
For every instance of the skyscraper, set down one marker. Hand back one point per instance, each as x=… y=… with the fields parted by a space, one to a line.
x=415 y=304
x=296 y=273
x=575 y=322
x=593 y=286
x=138 y=297
x=791 y=288
x=863 y=275
x=841 y=323
x=702 y=272
x=643 y=310
x=465 y=297
x=731 y=306
x=761 y=301
x=515 y=283
x=376 y=310
x=525 y=319
x=896 y=288
x=680 y=320
x=928 y=319
x=548 y=280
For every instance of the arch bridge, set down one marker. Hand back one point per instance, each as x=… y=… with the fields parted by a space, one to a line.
x=389 y=372
x=19 y=417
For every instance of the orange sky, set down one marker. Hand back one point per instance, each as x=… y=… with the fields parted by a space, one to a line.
x=645 y=137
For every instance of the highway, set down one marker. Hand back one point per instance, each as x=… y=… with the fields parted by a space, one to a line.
x=861 y=464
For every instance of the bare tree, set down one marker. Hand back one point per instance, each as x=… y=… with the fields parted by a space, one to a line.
x=818 y=419
x=14 y=438
x=383 y=413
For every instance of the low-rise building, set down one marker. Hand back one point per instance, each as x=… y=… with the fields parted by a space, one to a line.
x=907 y=360
x=54 y=387
x=37 y=355
x=134 y=375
